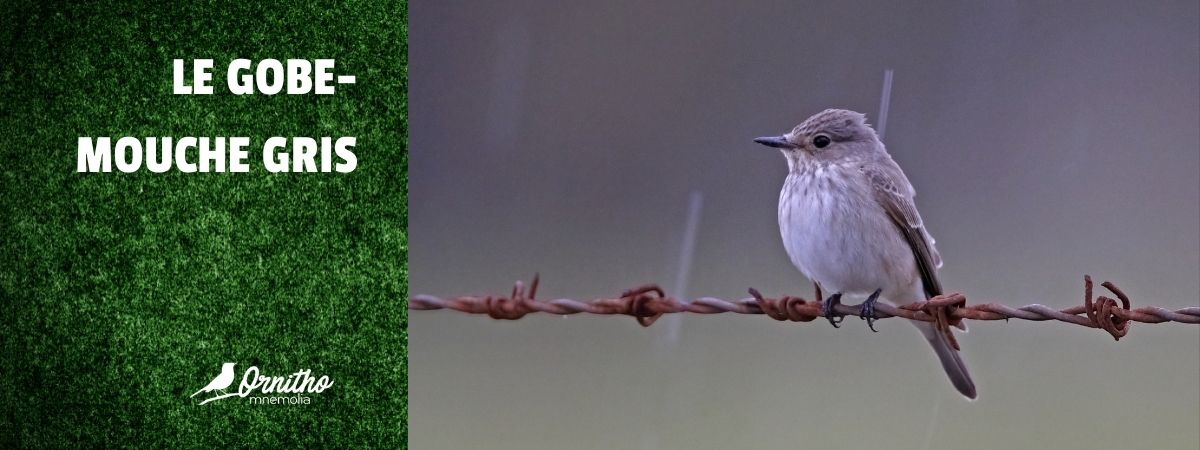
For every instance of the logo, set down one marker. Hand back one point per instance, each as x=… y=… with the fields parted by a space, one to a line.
x=287 y=390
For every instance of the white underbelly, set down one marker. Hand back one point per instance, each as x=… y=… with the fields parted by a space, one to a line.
x=839 y=237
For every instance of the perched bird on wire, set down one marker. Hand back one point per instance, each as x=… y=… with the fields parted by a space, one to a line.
x=849 y=223
x=221 y=382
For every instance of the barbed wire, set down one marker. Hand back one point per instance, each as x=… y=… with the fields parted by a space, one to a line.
x=648 y=302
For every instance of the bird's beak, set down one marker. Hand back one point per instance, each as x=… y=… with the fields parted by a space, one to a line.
x=775 y=141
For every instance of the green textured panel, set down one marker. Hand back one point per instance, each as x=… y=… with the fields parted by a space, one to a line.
x=122 y=294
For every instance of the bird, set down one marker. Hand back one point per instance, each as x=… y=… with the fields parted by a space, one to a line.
x=850 y=225
x=221 y=382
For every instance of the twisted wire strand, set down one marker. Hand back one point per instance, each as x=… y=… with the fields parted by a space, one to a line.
x=647 y=303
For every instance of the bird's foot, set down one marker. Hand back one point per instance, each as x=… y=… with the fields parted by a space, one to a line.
x=829 y=312
x=868 y=309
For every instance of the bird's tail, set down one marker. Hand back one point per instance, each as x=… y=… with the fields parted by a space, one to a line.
x=197 y=393
x=955 y=368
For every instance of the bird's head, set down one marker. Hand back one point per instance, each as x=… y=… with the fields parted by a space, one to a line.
x=830 y=135
x=227 y=366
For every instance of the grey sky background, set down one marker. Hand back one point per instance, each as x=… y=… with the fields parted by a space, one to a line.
x=1045 y=141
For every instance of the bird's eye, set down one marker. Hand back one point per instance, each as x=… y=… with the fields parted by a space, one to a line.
x=821 y=141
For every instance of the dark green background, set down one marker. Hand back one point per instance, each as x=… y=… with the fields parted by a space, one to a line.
x=123 y=293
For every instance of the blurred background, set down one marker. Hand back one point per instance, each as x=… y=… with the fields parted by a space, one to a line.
x=1045 y=141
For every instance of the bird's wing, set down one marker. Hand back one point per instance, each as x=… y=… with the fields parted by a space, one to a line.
x=214 y=384
x=218 y=383
x=203 y=389
x=223 y=381
x=894 y=193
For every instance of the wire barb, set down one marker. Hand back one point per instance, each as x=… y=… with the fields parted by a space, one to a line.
x=648 y=302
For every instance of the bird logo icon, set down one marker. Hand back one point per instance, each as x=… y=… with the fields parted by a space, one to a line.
x=221 y=382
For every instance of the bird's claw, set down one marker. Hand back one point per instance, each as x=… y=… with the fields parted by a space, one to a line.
x=829 y=312
x=868 y=309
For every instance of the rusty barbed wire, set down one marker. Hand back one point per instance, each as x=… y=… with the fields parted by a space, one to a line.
x=648 y=302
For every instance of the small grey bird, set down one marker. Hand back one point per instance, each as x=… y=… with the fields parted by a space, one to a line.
x=221 y=382
x=848 y=222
